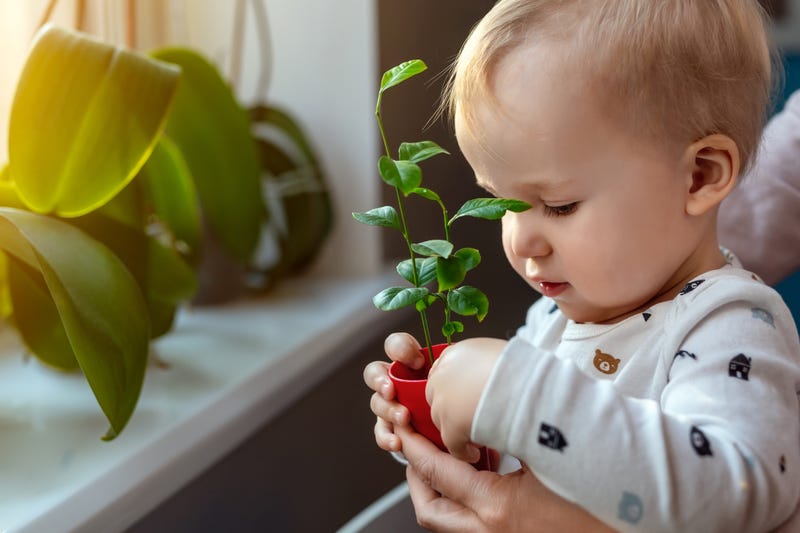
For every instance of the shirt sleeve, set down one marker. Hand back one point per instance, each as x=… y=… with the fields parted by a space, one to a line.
x=759 y=220
x=718 y=451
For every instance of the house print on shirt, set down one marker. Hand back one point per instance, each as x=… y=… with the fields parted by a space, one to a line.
x=739 y=367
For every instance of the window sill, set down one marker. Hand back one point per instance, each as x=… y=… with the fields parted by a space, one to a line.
x=230 y=370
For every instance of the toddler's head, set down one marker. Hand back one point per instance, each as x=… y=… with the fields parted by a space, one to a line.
x=624 y=124
x=668 y=69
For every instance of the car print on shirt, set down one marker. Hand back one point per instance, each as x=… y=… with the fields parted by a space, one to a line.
x=551 y=437
x=692 y=285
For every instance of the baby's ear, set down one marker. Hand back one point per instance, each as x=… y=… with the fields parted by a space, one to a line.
x=713 y=171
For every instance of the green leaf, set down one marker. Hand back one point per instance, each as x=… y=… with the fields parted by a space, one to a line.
x=170 y=280
x=451 y=328
x=404 y=175
x=489 y=208
x=398 y=297
x=401 y=72
x=98 y=301
x=427 y=194
x=450 y=272
x=169 y=189
x=213 y=133
x=426 y=270
x=420 y=151
x=425 y=303
x=470 y=257
x=468 y=301
x=8 y=190
x=147 y=250
x=85 y=117
x=435 y=247
x=385 y=216
x=36 y=317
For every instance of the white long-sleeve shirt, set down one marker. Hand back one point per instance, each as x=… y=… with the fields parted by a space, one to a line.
x=684 y=418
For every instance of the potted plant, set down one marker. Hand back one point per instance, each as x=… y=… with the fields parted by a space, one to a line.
x=116 y=159
x=435 y=270
x=86 y=283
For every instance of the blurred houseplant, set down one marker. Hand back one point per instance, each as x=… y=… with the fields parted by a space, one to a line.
x=262 y=190
x=87 y=284
x=120 y=166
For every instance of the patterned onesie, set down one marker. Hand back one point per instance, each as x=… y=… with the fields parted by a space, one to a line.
x=682 y=418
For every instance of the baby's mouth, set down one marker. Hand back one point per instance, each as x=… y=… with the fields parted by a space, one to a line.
x=551 y=289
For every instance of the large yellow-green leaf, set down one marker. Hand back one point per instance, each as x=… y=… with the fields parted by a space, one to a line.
x=5 y=294
x=213 y=133
x=99 y=304
x=84 y=119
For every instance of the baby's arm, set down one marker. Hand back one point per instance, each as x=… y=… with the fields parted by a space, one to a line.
x=714 y=453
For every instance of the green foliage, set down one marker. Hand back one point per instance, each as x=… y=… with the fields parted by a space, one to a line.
x=100 y=210
x=433 y=260
x=213 y=133
x=82 y=276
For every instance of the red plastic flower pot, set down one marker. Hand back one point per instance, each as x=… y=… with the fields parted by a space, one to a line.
x=409 y=386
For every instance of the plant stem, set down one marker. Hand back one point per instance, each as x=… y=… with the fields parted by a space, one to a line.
x=422 y=315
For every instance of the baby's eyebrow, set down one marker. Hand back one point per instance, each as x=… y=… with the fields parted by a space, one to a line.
x=544 y=186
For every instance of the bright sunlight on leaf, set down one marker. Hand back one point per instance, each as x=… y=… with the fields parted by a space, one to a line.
x=59 y=155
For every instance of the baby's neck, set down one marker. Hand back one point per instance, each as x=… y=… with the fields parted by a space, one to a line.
x=706 y=257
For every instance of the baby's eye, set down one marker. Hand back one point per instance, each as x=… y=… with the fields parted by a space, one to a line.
x=560 y=210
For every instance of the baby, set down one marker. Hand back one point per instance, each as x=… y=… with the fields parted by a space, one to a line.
x=656 y=382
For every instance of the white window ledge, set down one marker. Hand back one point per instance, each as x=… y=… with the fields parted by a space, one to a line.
x=231 y=369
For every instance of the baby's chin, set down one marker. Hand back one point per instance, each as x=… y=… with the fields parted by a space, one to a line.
x=584 y=314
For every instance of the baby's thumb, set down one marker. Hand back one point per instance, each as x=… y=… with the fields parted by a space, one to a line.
x=404 y=348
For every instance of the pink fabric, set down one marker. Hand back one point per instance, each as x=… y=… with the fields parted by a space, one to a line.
x=760 y=220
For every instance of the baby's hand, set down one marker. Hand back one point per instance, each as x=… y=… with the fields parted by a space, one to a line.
x=455 y=384
x=399 y=347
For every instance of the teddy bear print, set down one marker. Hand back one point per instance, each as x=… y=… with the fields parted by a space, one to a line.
x=605 y=362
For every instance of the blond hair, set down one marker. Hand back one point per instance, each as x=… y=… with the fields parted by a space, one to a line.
x=672 y=69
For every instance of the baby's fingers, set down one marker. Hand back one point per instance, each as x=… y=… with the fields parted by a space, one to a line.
x=404 y=348
x=391 y=412
x=385 y=437
x=376 y=377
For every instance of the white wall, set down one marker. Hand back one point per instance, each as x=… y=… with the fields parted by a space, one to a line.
x=325 y=73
